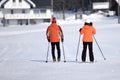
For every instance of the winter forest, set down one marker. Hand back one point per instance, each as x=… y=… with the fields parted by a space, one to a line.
x=76 y=5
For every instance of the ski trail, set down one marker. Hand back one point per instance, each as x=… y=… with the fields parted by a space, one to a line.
x=3 y=53
x=20 y=32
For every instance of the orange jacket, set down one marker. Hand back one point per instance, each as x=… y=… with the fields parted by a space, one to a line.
x=87 y=32
x=54 y=33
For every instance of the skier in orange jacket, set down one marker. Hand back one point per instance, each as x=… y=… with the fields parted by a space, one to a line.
x=87 y=30
x=54 y=35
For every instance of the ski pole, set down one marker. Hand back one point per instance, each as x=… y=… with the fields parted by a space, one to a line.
x=63 y=52
x=99 y=47
x=47 y=53
x=78 y=47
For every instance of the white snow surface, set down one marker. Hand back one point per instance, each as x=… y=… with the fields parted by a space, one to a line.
x=23 y=51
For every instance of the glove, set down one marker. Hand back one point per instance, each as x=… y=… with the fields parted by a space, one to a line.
x=48 y=40
x=80 y=29
x=62 y=40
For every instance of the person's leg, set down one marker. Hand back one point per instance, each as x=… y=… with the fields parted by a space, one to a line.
x=53 y=51
x=91 y=56
x=84 y=51
x=58 y=50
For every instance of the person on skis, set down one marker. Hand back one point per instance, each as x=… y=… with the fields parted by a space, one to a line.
x=54 y=34
x=87 y=31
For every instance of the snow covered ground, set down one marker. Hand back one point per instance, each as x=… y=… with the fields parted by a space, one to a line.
x=23 y=52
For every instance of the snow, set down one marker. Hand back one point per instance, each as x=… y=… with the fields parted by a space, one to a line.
x=23 y=51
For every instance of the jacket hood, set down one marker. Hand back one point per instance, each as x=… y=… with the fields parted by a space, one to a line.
x=54 y=20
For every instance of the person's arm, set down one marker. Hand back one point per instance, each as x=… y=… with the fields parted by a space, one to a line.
x=94 y=31
x=82 y=30
x=61 y=33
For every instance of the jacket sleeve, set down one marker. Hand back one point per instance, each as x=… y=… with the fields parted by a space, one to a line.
x=61 y=32
x=94 y=31
x=82 y=30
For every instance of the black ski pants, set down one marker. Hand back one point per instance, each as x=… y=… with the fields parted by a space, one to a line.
x=90 y=47
x=57 y=44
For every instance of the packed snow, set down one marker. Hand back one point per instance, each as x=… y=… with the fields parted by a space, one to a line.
x=23 y=51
